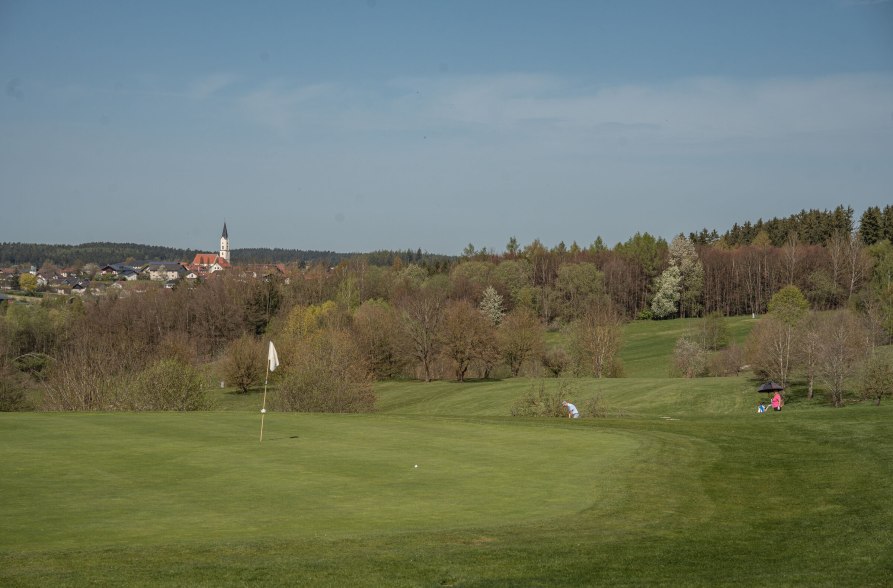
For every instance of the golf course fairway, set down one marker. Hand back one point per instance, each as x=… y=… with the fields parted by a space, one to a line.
x=687 y=486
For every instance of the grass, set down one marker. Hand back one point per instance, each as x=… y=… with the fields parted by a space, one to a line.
x=688 y=487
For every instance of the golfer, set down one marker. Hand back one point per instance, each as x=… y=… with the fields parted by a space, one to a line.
x=572 y=411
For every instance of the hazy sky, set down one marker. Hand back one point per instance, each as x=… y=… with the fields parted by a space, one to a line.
x=357 y=125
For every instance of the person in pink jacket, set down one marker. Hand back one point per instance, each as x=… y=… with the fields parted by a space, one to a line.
x=777 y=402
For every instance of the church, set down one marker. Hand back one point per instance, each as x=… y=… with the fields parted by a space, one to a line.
x=208 y=263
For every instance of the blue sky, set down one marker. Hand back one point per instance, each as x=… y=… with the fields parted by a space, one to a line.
x=358 y=125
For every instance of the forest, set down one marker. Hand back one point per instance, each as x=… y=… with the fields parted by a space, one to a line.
x=530 y=310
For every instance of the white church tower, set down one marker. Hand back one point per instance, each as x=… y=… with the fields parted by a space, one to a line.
x=224 y=244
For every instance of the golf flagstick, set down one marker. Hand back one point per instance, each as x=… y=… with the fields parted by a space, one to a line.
x=272 y=363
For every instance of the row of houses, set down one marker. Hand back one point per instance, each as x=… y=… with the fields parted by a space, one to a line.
x=115 y=275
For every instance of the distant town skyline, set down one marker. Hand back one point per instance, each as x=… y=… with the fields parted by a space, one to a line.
x=381 y=124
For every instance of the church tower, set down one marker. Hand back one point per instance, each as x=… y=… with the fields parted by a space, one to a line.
x=224 y=244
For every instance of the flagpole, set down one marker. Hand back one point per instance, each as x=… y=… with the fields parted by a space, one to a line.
x=263 y=409
x=272 y=364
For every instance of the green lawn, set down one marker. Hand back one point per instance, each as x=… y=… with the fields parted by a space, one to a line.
x=685 y=485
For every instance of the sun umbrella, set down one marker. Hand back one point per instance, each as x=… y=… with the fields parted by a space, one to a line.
x=770 y=387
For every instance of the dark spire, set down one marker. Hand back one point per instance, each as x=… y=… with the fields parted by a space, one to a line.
x=225 y=236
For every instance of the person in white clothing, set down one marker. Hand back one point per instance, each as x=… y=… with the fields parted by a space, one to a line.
x=572 y=411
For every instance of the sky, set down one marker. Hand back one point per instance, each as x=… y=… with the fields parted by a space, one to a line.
x=361 y=125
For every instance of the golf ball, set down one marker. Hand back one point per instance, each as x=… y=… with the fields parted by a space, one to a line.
x=263 y=410
x=416 y=465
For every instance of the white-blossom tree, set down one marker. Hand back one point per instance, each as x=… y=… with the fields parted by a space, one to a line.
x=491 y=306
x=667 y=293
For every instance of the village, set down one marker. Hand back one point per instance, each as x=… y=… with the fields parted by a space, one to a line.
x=133 y=275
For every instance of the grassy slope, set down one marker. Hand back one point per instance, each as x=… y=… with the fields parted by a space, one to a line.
x=690 y=487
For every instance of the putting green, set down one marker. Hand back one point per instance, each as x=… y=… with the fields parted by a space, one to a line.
x=153 y=479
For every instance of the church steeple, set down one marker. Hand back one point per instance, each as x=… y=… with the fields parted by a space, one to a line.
x=224 y=243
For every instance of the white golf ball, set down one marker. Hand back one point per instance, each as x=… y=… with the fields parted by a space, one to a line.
x=263 y=410
x=416 y=465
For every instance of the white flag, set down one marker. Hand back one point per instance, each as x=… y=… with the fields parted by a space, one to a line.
x=272 y=357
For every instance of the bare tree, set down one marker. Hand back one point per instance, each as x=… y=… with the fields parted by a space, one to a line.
x=422 y=316
x=465 y=335
x=807 y=351
x=843 y=344
x=791 y=253
x=596 y=339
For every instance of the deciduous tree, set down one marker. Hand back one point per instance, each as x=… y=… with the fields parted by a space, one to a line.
x=596 y=339
x=521 y=338
x=843 y=344
x=244 y=365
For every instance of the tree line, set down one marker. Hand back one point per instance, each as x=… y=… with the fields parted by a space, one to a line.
x=40 y=254
x=483 y=315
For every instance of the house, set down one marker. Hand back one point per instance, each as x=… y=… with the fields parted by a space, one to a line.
x=81 y=287
x=166 y=270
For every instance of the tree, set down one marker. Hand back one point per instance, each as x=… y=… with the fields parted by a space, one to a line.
x=666 y=296
x=377 y=333
x=713 y=332
x=871 y=226
x=691 y=271
x=511 y=249
x=325 y=372
x=877 y=378
x=596 y=339
x=520 y=338
x=303 y=321
x=422 y=316
x=244 y=365
x=787 y=308
x=491 y=306
x=578 y=286
x=767 y=349
x=689 y=358
x=28 y=282
x=843 y=344
x=807 y=351
x=464 y=336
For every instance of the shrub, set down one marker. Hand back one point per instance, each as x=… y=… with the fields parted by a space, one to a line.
x=168 y=385
x=326 y=373
x=244 y=365
x=877 y=379
x=726 y=362
x=539 y=402
x=556 y=361
x=689 y=358
x=12 y=397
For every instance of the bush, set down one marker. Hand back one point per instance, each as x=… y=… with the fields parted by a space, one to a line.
x=12 y=397
x=168 y=385
x=244 y=365
x=326 y=373
x=539 y=402
x=876 y=379
x=726 y=362
x=689 y=358
x=594 y=407
x=556 y=361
